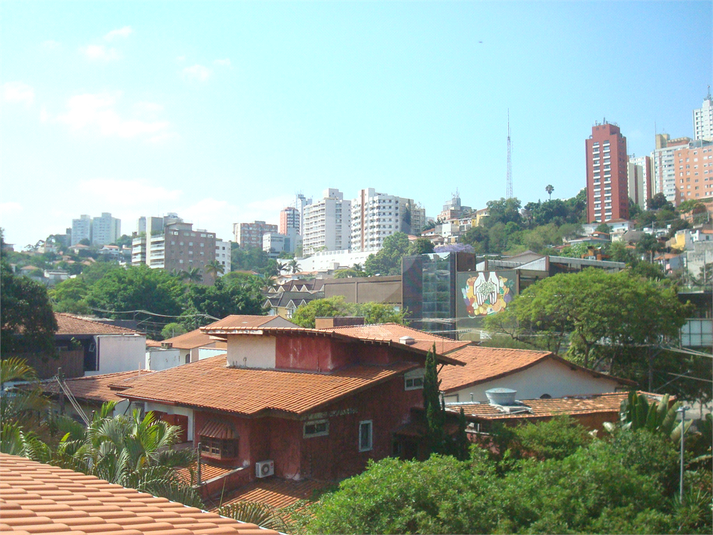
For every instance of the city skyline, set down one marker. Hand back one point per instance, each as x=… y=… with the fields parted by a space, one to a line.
x=223 y=111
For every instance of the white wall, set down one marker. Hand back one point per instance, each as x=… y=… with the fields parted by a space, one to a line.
x=548 y=377
x=120 y=353
x=252 y=351
x=171 y=409
x=163 y=359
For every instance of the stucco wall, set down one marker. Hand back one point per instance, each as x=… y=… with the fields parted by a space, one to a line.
x=547 y=377
x=120 y=354
x=163 y=359
x=171 y=409
x=251 y=351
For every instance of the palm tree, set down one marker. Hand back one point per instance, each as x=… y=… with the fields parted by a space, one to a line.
x=549 y=189
x=294 y=266
x=214 y=267
x=19 y=408
x=128 y=450
x=192 y=275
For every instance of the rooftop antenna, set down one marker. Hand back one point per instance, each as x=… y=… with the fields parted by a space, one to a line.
x=508 y=193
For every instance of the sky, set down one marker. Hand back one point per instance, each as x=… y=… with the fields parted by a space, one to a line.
x=223 y=111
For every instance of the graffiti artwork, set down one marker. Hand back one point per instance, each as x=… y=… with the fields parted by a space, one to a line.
x=487 y=293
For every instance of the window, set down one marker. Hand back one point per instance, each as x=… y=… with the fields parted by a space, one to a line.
x=365 y=435
x=413 y=380
x=316 y=428
x=219 y=448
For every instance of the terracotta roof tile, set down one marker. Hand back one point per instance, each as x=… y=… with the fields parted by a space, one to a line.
x=195 y=339
x=394 y=332
x=488 y=363
x=539 y=408
x=209 y=383
x=38 y=510
x=276 y=492
x=245 y=322
x=71 y=325
x=97 y=388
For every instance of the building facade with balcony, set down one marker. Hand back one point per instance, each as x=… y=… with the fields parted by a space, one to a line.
x=327 y=223
x=607 y=183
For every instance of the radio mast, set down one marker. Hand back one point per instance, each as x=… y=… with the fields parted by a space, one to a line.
x=508 y=193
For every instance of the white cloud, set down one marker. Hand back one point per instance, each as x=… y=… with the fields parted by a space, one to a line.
x=100 y=53
x=197 y=72
x=18 y=92
x=98 y=111
x=222 y=62
x=124 y=32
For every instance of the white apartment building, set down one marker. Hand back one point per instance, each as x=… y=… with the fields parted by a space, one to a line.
x=639 y=180
x=105 y=229
x=378 y=215
x=222 y=254
x=326 y=223
x=703 y=120
x=663 y=165
x=81 y=229
x=301 y=202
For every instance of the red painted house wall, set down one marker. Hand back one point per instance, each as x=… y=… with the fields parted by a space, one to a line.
x=332 y=456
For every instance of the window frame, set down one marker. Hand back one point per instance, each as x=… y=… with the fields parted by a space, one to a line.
x=366 y=424
x=315 y=433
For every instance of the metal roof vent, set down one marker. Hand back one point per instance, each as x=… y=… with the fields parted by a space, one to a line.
x=501 y=396
x=407 y=340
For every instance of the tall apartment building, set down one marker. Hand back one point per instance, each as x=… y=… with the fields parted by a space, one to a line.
x=289 y=219
x=693 y=166
x=607 y=185
x=663 y=165
x=301 y=202
x=223 y=251
x=639 y=179
x=326 y=223
x=376 y=216
x=249 y=235
x=180 y=248
x=703 y=120
x=105 y=229
x=81 y=229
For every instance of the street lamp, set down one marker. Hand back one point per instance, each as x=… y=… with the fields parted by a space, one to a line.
x=682 y=410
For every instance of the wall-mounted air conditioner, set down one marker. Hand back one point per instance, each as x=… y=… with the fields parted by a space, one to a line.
x=264 y=468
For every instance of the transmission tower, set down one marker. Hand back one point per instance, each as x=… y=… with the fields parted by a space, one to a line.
x=508 y=193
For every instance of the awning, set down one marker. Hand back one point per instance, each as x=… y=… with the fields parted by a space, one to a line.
x=220 y=430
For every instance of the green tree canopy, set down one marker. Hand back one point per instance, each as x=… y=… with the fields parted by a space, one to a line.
x=330 y=307
x=28 y=322
x=388 y=260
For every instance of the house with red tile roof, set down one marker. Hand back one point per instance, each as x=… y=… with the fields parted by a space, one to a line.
x=533 y=374
x=591 y=411
x=297 y=403
x=40 y=498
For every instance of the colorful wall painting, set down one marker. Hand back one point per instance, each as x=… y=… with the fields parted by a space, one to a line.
x=487 y=293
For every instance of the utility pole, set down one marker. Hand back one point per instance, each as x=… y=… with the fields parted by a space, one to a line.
x=682 y=410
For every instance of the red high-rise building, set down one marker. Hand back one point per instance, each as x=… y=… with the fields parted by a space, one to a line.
x=289 y=219
x=607 y=185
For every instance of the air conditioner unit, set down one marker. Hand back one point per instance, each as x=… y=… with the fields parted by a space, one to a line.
x=264 y=468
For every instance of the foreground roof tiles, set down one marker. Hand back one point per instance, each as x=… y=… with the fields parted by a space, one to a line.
x=72 y=325
x=540 y=408
x=488 y=363
x=39 y=498
x=210 y=384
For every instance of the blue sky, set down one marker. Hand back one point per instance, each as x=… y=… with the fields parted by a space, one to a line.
x=222 y=111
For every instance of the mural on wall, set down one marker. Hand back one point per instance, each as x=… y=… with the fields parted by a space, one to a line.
x=487 y=293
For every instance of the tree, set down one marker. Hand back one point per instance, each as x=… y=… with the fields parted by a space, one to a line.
x=503 y=211
x=373 y=313
x=659 y=201
x=603 y=227
x=172 y=329
x=19 y=409
x=225 y=297
x=294 y=266
x=420 y=246
x=214 y=268
x=28 y=322
x=191 y=275
x=388 y=260
x=600 y=314
x=70 y=296
x=432 y=405
x=549 y=189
